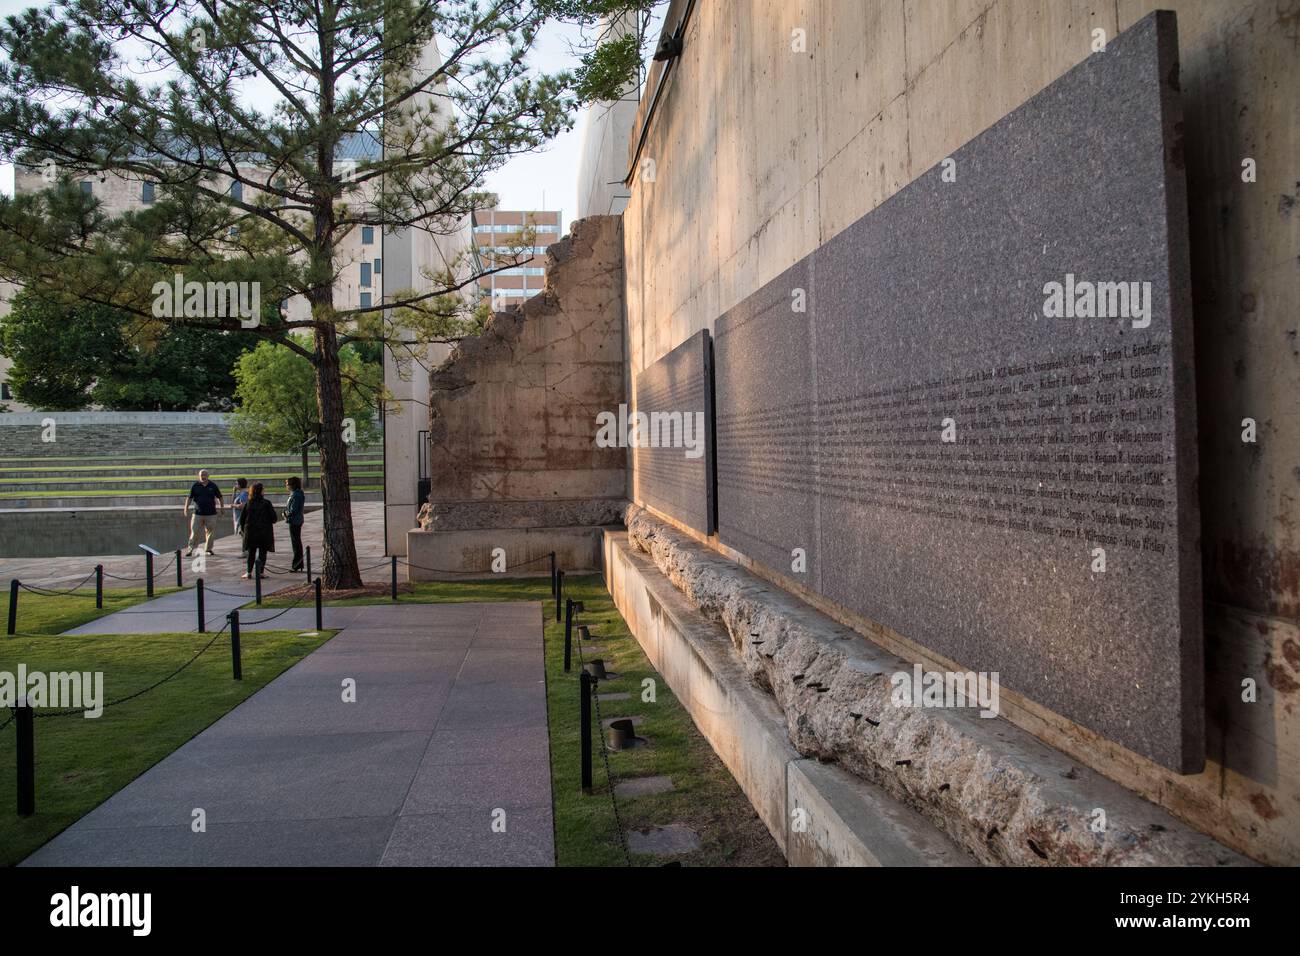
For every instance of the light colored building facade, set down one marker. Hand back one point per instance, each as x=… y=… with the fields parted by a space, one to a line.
x=602 y=167
x=499 y=236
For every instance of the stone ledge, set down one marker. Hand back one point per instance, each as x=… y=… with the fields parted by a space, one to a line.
x=848 y=821
x=456 y=555
x=996 y=791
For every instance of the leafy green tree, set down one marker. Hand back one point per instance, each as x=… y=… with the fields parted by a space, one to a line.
x=69 y=355
x=185 y=369
x=57 y=351
x=276 y=391
x=251 y=188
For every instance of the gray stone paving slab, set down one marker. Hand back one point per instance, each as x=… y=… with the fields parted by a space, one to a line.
x=509 y=745
x=440 y=786
x=672 y=840
x=640 y=786
x=464 y=837
x=409 y=774
x=345 y=841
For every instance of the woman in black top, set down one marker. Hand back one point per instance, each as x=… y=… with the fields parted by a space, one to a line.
x=259 y=529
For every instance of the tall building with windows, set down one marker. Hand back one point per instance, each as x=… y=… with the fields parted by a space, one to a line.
x=499 y=237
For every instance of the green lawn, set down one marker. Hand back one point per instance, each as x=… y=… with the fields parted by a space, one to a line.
x=52 y=614
x=707 y=798
x=81 y=762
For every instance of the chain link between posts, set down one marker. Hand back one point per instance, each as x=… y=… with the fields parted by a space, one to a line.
x=129 y=697
x=604 y=753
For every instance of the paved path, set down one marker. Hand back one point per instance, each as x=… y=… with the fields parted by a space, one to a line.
x=226 y=565
x=178 y=611
x=447 y=734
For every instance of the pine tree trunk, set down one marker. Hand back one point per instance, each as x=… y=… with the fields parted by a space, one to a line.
x=336 y=489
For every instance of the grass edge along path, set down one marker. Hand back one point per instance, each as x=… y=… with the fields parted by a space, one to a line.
x=82 y=762
x=54 y=613
x=706 y=797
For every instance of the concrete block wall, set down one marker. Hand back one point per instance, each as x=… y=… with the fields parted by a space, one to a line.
x=763 y=150
x=512 y=413
x=110 y=433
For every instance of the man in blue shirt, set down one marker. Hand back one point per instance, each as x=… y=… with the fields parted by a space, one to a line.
x=207 y=505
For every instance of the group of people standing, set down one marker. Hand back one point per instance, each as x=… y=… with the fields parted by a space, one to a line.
x=254 y=518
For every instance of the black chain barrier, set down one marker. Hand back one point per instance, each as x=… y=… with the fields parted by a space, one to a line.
x=42 y=715
x=140 y=577
x=263 y=620
x=72 y=591
x=604 y=752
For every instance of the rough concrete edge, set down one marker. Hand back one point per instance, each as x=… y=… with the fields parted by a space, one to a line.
x=850 y=820
x=996 y=790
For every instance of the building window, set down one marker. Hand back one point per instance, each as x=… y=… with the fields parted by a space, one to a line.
x=237 y=191
x=367 y=235
x=146 y=192
x=5 y=394
x=365 y=275
x=365 y=300
x=379 y=267
x=87 y=188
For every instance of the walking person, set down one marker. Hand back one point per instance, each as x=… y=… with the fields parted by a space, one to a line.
x=237 y=508
x=206 y=497
x=293 y=517
x=259 y=529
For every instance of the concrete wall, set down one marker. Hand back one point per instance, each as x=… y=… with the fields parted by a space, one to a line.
x=60 y=532
x=761 y=152
x=605 y=129
x=110 y=433
x=513 y=411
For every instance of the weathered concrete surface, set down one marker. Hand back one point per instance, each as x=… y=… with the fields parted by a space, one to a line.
x=746 y=729
x=558 y=513
x=512 y=417
x=763 y=153
x=443 y=555
x=997 y=792
x=512 y=412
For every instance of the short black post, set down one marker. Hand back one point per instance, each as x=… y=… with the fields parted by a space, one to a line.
x=234 y=645
x=257 y=584
x=148 y=573
x=180 y=583
x=308 y=564
x=203 y=618
x=584 y=688
x=568 y=633
x=13 y=606
x=25 y=723
x=318 y=610
x=394 y=577
x=99 y=587
x=559 y=592
x=552 y=574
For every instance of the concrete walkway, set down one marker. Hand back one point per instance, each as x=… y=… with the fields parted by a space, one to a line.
x=178 y=611
x=443 y=759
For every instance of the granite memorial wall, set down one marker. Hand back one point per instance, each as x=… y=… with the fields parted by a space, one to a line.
x=970 y=415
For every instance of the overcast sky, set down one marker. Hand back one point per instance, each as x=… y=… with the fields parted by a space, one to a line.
x=543 y=180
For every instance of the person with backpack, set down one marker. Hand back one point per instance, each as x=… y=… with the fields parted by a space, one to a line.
x=259 y=529
x=293 y=517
